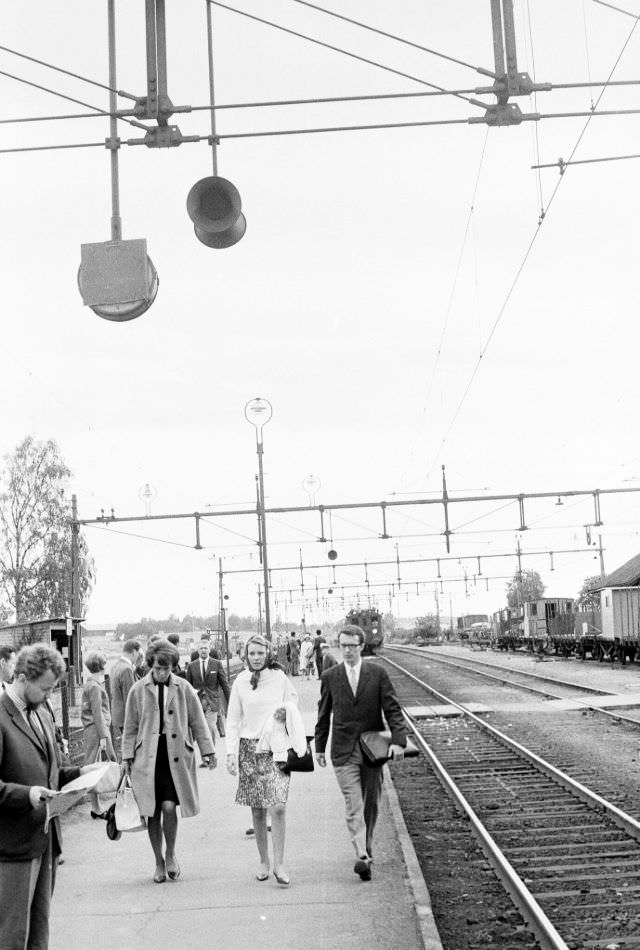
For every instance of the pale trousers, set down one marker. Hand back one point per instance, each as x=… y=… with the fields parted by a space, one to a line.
x=361 y=787
x=211 y=715
x=25 y=900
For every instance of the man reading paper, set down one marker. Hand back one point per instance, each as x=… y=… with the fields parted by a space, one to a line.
x=30 y=774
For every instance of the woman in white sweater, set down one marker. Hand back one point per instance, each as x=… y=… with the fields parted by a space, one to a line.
x=257 y=697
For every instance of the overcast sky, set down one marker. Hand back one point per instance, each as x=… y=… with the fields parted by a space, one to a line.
x=377 y=268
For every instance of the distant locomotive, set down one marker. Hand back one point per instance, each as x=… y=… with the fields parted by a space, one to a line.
x=370 y=621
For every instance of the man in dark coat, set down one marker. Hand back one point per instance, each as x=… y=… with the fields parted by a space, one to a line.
x=121 y=678
x=328 y=659
x=208 y=678
x=30 y=773
x=318 y=641
x=354 y=694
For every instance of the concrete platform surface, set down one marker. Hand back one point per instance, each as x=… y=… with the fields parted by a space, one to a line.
x=106 y=899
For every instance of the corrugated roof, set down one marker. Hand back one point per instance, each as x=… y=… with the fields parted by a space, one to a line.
x=626 y=576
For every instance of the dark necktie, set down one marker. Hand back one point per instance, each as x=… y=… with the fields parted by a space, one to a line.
x=36 y=726
x=161 y=705
x=204 y=670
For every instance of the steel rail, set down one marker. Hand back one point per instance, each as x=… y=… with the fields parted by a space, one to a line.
x=624 y=821
x=619 y=717
x=451 y=661
x=532 y=912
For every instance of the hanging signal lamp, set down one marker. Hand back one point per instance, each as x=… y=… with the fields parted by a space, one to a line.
x=214 y=204
x=215 y=207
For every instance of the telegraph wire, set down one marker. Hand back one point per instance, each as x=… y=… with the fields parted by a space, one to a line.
x=337 y=49
x=400 y=39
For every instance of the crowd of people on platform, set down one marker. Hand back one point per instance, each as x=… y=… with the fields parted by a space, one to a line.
x=150 y=721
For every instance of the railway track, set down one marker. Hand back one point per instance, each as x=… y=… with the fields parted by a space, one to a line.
x=523 y=679
x=569 y=859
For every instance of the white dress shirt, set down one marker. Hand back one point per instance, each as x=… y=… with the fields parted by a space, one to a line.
x=353 y=675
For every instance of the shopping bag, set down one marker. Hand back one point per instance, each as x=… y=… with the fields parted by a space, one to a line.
x=103 y=794
x=127 y=814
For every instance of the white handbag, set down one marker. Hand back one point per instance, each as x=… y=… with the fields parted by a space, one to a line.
x=127 y=813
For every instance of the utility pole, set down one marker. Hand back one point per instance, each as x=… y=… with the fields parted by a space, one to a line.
x=222 y=619
x=74 y=606
x=601 y=553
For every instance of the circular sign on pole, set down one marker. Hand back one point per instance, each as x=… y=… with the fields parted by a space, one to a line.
x=332 y=554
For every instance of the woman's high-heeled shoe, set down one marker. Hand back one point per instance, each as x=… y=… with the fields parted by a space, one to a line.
x=160 y=877
x=103 y=815
x=174 y=873
x=282 y=881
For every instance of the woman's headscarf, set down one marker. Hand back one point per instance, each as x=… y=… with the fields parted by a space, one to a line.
x=269 y=662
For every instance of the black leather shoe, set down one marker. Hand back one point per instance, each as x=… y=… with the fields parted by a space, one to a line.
x=104 y=815
x=363 y=868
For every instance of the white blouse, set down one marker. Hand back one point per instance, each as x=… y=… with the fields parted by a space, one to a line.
x=249 y=709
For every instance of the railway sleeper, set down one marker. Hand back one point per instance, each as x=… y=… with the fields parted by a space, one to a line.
x=514 y=809
x=598 y=848
x=561 y=869
x=544 y=889
x=542 y=821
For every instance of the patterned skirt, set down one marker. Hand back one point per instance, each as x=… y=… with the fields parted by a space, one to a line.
x=261 y=783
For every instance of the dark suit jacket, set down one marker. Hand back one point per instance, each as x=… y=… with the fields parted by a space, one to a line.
x=121 y=679
x=24 y=762
x=214 y=681
x=353 y=715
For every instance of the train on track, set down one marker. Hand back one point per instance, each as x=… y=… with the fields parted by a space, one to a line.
x=370 y=620
x=554 y=625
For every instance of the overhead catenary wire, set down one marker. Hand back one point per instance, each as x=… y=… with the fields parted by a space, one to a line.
x=67 y=72
x=399 y=39
x=337 y=49
x=528 y=250
x=190 y=139
x=454 y=284
x=271 y=103
x=536 y=137
x=78 y=102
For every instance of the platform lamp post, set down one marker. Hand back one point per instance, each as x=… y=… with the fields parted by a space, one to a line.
x=258 y=412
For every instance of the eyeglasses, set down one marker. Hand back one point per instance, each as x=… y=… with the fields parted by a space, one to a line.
x=350 y=646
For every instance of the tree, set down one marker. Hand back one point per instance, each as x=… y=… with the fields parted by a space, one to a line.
x=524 y=586
x=589 y=596
x=427 y=628
x=35 y=534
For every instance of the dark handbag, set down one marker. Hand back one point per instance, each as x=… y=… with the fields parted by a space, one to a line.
x=298 y=763
x=375 y=747
x=112 y=831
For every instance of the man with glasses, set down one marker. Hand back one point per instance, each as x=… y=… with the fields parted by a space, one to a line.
x=355 y=694
x=30 y=773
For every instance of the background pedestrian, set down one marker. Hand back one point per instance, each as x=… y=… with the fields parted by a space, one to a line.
x=162 y=719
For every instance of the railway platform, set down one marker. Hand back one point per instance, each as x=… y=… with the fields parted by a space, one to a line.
x=105 y=897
